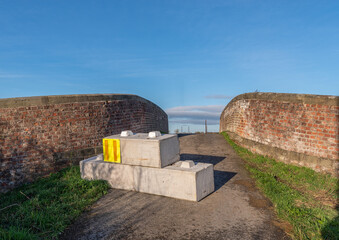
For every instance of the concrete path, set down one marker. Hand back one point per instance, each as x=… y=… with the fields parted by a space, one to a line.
x=236 y=210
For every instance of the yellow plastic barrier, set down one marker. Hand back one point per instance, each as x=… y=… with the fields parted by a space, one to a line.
x=111 y=150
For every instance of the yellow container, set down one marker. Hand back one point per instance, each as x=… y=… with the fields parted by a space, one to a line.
x=111 y=150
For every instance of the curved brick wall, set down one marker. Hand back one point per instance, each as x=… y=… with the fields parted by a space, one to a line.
x=300 y=129
x=40 y=135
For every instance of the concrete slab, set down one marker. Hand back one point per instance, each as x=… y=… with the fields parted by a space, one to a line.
x=187 y=164
x=126 y=133
x=142 y=150
x=192 y=184
x=154 y=134
x=173 y=181
x=117 y=175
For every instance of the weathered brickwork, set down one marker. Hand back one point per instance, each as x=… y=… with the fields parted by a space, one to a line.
x=41 y=135
x=304 y=124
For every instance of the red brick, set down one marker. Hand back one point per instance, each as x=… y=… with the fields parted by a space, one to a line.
x=65 y=127
x=288 y=125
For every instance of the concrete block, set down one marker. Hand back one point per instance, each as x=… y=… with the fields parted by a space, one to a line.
x=186 y=164
x=192 y=183
x=126 y=133
x=154 y=134
x=141 y=150
x=117 y=175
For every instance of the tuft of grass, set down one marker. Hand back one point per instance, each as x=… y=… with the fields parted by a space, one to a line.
x=306 y=199
x=43 y=209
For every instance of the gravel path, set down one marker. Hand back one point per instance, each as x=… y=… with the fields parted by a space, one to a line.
x=236 y=210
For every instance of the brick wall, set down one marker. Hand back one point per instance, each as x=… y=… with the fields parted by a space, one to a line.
x=40 y=135
x=295 y=128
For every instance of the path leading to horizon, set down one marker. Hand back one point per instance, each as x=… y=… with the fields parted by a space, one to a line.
x=236 y=210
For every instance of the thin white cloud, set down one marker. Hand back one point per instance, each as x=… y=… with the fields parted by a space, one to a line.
x=12 y=75
x=207 y=108
x=265 y=58
x=219 y=97
x=195 y=114
x=194 y=121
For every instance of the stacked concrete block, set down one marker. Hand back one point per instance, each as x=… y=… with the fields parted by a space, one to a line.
x=150 y=163
x=148 y=150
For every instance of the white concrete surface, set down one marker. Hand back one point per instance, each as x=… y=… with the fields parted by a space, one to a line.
x=126 y=133
x=141 y=150
x=187 y=164
x=192 y=183
x=117 y=175
x=154 y=134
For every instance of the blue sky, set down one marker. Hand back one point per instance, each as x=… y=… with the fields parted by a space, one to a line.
x=188 y=57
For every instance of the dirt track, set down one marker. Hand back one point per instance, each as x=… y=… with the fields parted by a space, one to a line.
x=236 y=210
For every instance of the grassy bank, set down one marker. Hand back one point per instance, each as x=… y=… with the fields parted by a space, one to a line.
x=306 y=199
x=43 y=209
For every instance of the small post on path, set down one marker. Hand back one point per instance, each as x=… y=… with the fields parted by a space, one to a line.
x=205 y=126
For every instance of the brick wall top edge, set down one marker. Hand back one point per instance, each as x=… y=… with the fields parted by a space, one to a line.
x=291 y=97
x=60 y=99
x=328 y=100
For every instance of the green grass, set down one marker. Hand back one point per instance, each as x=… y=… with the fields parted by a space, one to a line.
x=43 y=209
x=306 y=199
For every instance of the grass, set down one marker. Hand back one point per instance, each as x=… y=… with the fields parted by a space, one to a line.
x=306 y=199
x=43 y=209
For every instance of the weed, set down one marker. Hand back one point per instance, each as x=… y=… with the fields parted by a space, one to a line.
x=43 y=209
x=306 y=199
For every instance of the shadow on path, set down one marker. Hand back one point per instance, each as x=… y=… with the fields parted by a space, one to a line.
x=331 y=230
x=184 y=134
x=220 y=177
x=202 y=158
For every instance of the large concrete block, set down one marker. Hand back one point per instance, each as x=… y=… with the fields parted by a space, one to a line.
x=142 y=150
x=117 y=175
x=175 y=181
x=192 y=183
